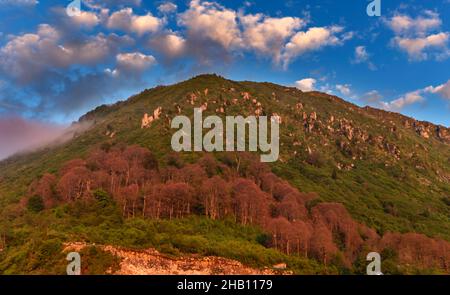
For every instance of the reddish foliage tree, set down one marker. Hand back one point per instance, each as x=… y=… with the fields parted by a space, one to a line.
x=240 y=186
x=178 y=199
x=193 y=174
x=215 y=197
x=292 y=207
x=72 y=164
x=418 y=249
x=268 y=181
x=321 y=243
x=45 y=188
x=209 y=164
x=344 y=228
x=249 y=202
x=301 y=235
x=280 y=229
x=75 y=184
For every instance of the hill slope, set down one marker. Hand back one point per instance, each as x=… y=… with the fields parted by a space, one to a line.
x=391 y=172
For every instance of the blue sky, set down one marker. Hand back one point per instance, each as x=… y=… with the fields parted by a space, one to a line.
x=54 y=67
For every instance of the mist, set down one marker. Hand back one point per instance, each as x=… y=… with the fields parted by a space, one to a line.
x=19 y=135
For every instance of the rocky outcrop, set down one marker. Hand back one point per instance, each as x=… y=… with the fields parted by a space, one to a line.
x=148 y=120
x=151 y=262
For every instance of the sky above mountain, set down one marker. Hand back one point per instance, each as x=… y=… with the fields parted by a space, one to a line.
x=55 y=67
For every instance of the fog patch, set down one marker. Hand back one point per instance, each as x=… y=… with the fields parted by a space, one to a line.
x=19 y=135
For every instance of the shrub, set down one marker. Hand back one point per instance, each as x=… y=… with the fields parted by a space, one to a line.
x=35 y=204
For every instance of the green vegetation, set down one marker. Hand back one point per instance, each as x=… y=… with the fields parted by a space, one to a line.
x=37 y=240
x=408 y=194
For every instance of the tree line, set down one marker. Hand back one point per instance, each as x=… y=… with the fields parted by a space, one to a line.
x=237 y=186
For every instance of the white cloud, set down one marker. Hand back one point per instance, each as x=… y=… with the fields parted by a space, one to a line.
x=344 y=89
x=443 y=90
x=313 y=39
x=167 y=7
x=170 y=44
x=415 y=36
x=86 y=18
x=125 y=20
x=211 y=21
x=415 y=47
x=221 y=30
x=361 y=54
x=134 y=62
x=267 y=35
x=404 y=24
x=403 y=101
x=409 y=98
x=98 y=4
x=30 y=56
x=306 y=84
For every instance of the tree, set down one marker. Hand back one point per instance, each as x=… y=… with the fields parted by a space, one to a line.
x=268 y=181
x=292 y=207
x=280 y=229
x=209 y=164
x=45 y=188
x=301 y=235
x=35 y=204
x=72 y=164
x=193 y=174
x=177 y=198
x=75 y=184
x=127 y=197
x=344 y=228
x=321 y=243
x=249 y=202
x=215 y=197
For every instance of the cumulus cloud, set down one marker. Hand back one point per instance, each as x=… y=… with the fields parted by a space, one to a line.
x=416 y=47
x=267 y=35
x=214 y=31
x=313 y=39
x=404 y=24
x=86 y=18
x=126 y=20
x=420 y=37
x=213 y=22
x=62 y=67
x=135 y=62
x=167 y=7
x=306 y=84
x=98 y=4
x=29 y=57
x=50 y=71
x=170 y=44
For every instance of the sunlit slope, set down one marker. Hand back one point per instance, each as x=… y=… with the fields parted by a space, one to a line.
x=391 y=172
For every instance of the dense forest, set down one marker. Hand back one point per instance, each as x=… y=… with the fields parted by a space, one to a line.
x=223 y=186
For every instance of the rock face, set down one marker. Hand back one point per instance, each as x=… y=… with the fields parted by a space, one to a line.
x=443 y=134
x=151 y=262
x=147 y=120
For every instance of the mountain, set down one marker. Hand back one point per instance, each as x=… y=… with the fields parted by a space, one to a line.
x=390 y=173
